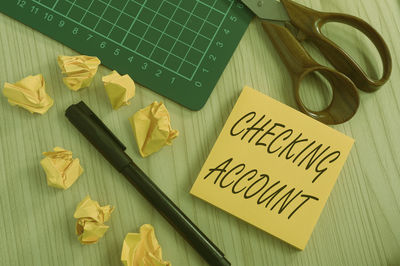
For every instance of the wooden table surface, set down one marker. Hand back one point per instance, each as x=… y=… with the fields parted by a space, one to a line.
x=360 y=224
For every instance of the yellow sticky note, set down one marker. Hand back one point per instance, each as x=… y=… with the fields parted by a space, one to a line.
x=80 y=70
x=91 y=216
x=29 y=93
x=140 y=249
x=61 y=169
x=152 y=128
x=120 y=89
x=273 y=167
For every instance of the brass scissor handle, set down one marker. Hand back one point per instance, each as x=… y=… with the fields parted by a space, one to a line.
x=310 y=22
x=347 y=79
x=345 y=98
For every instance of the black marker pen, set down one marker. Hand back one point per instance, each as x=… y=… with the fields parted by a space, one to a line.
x=113 y=150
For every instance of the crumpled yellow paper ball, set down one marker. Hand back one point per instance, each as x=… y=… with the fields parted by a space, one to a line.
x=152 y=128
x=80 y=70
x=120 y=89
x=142 y=249
x=29 y=93
x=90 y=225
x=61 y=170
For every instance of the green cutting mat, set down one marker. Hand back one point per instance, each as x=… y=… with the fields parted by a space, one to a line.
x=178 y=48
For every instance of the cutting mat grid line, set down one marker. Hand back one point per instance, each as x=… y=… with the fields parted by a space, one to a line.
x=149 y=25
x=134 y=18
x=126 y=47
x=173 y=34
x=86 y=11
x=119 y=16
x=169 y=22
x=69 y=10
x=101 y=16
x=131 y=25
x=180 y=33
x=201 y=27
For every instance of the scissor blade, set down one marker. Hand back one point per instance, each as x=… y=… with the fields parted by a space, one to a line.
x=268 y=9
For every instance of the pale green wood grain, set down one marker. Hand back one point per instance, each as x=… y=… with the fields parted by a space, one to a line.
x=360 y=224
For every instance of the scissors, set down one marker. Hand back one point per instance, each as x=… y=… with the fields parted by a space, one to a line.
x=347 y=75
